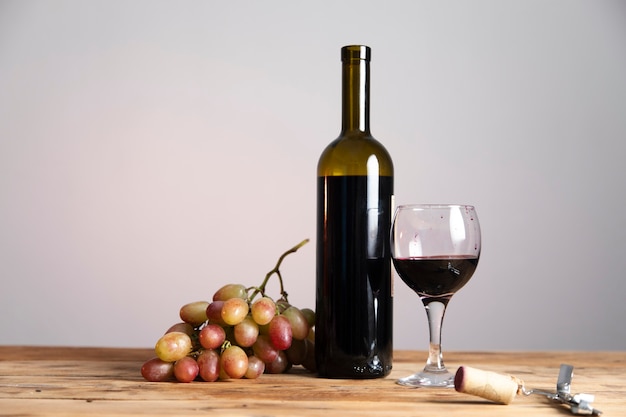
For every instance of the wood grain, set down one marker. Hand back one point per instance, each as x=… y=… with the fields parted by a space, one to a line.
x=70 y=381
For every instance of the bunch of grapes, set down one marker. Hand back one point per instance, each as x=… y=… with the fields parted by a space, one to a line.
x=241 y=333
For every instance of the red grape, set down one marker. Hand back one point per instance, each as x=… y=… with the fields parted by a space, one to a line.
x=279 y=365
x=186 y=369
x=234 y=362
x=214 y=312
x=157 y=370
x=263 y=310
x=309 y=360
x=212 y=336
x=209 y=365
x=234 y=310
x=256 y=367
x=264 y=350
x=280 y=332
x=246 y=332
x=296 y=353
x=181 y=327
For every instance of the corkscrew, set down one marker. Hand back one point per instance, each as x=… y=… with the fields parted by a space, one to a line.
x=578 y=403
x=503 y=388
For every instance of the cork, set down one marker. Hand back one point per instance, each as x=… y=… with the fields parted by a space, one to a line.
x=491 y=386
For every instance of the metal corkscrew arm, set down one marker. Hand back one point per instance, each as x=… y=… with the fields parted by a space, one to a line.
x=578 y=403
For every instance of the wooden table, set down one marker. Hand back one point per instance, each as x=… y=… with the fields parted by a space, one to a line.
x=64 y=381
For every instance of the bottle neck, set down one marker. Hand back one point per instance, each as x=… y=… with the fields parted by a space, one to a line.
x=355 y=89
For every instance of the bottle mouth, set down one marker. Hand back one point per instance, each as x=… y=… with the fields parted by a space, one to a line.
x=355 y=53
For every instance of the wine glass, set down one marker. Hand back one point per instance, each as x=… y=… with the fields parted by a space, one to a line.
x=435 y=250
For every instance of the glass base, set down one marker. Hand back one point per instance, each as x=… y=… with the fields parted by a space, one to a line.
x=437 y=379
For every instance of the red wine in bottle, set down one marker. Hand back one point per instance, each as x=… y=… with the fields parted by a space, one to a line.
x=354 y=304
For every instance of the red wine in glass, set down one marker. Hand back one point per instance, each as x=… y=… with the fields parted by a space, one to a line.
x=436 y=278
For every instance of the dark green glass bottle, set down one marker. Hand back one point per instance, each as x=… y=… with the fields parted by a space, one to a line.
x=354 y=304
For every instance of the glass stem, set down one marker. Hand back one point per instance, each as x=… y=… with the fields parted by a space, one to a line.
x=435 y=310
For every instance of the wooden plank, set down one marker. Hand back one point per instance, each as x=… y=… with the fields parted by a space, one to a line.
x=37 y=381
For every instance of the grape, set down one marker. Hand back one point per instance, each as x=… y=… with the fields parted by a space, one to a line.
x=212 y=336
x=234 y=310
x=280 y=332
x=279 y=365
x=186 y=369
x=229 y=291
x=296 y=353
x=181 y=327
x=264 y=329
x=309 y=360
x=264 y=350
x=209 y=365
x=311 y=336
x=214 y=312
x=256 y=367
x=157 y=370
x=173 y=346
x=263 y=310
x=234 y=362
x=298 y=322
x=310 y=316
x=223 y=375
x=246 y=332
x=235 y=335
x=194 y=313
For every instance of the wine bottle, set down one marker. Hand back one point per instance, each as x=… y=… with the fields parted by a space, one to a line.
x=354 y=304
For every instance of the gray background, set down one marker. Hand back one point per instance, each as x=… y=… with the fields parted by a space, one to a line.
x=152 y=151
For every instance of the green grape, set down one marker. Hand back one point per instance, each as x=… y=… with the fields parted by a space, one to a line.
x=186 y=369
x=212 y=336
x=280 y=332
x=263 y=310
x=234 y=311
x=310 y=316
x=157 y=370
x=256 y=367
x=230 y=291
x=194 y=313
x=209 y=365
x=298 y=322
x=173 y=346
x=264 y=350
x=234 y=362
x=246 y=332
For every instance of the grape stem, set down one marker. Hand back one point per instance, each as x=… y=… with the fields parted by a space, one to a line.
x=276 y=270
x=225 y=346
